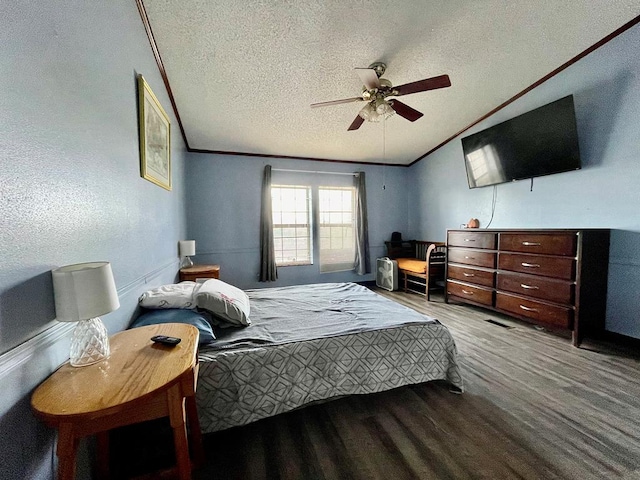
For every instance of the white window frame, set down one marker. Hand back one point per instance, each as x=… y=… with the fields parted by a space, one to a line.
x=278 y=223
x=336 y=220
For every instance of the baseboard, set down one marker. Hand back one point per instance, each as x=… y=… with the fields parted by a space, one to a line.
x=621 y=339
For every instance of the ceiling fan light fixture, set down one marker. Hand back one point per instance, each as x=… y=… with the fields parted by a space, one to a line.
x=369 y=113
x=375 y=91
x=383 y=108
x=376 y=110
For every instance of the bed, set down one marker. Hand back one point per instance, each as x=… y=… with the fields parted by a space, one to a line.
x=310 y=343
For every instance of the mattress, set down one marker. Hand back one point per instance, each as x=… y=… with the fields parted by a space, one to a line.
x=313 y=342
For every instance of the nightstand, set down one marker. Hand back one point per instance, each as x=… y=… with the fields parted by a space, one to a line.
x=199 y=271
x=140 y=381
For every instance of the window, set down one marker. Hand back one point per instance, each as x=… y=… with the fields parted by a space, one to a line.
x=336 y=232
x=291 y=208
x=314 y=224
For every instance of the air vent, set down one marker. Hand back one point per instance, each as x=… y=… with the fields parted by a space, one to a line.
x=495 y=322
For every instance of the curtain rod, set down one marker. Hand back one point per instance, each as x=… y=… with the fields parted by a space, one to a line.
x=313 y=171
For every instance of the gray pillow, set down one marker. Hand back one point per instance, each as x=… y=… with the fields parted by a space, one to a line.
x=225 y=302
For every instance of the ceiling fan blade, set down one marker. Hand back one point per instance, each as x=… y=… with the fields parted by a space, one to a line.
x=356 y=123
x=368 y=77
x=405 y=110
x=337 y=102
x=432 y=83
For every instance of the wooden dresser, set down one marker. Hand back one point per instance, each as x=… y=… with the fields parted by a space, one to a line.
x=554 y=278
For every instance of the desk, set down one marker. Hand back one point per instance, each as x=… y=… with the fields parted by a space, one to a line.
x=140 y=381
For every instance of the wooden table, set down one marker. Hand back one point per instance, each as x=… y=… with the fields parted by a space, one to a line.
x=140 y=381
x=199 y=271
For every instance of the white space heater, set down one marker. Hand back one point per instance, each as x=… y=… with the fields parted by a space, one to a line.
x=387 y=273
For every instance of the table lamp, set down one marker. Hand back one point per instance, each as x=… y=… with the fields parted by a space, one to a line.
x=82 y=293
x=186 y=248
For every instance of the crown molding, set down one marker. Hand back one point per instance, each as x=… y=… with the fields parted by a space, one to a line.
x=163 y=72
x=264 y=155
x=165 y=79
x=555 y=72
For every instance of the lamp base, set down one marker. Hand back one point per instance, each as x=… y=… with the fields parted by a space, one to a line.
x=89 y=343
x=186 y=262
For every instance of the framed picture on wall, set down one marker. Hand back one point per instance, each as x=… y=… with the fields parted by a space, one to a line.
x=155 y=137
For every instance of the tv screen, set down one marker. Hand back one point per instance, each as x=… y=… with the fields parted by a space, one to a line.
x=540 y=142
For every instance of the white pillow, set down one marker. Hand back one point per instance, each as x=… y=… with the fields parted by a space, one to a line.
x=175 y=295
x=224 y=301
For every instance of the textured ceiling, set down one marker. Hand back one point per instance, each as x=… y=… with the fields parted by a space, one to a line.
x=244 y=73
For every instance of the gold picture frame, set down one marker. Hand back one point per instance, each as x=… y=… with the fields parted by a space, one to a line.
x=155 y=137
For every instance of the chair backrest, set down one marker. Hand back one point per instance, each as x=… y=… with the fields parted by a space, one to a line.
x=436 y=267
x=401 y=249
x=425 y=248
x=437 y=258
x=438 y=254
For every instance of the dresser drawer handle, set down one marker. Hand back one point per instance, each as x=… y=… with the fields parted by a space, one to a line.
x=467 y=292
x=531 y=244
x=528 y=309
x=530 y=287
x=469 y=239
x=530 y=265
x=469 y=258
x=468 y=274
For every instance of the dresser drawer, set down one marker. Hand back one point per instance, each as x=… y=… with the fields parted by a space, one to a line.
x=556 y=267
x=470 y=256
x=557 y=291
x=544 y=244
x=192 y=274
x=472 y=239
x=473 y=294
x=538 y=311
x=471 y=275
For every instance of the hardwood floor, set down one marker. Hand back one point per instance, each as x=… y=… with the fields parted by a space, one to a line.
x=534 y=407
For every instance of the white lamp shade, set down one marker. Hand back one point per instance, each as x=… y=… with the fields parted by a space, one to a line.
x=83 y=291
x=187 y=248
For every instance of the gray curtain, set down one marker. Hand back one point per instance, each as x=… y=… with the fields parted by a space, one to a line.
x=268 y=270
x=361 y=265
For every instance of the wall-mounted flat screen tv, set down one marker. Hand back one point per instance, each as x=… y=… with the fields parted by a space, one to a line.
x=540 y=142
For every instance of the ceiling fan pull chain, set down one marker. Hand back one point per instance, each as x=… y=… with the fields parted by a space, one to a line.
x=384 y=151
x=384 y=139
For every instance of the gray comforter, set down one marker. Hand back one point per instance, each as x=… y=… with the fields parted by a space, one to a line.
x=305 y=312
x=314 y=342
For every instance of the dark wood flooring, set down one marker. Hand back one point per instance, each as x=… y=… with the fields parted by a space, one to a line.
x=534 y=407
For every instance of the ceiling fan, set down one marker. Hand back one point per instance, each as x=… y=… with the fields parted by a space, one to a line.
x=376 y=91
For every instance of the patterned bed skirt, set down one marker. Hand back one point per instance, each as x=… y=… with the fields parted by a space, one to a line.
x=236 y=387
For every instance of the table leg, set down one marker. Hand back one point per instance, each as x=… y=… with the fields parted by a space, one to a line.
x=102 y=454
x=177 y=419
x=66 y=451
x=195 y=433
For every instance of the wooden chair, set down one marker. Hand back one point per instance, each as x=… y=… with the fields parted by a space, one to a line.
x=401 y=249
x=421 y=265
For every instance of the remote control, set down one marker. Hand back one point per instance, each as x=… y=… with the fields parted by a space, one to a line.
x=166 y=340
